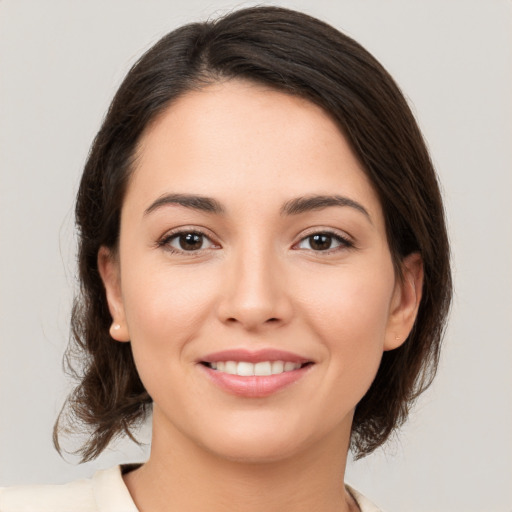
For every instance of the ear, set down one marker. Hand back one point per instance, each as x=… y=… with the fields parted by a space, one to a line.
x=405 y=302
x=108 y=266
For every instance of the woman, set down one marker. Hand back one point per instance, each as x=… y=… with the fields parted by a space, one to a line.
x=264 y=266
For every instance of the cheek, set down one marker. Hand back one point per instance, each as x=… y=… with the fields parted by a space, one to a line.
x=349 y=316
x=164 y=312
x=164 y=308
x=349 y=302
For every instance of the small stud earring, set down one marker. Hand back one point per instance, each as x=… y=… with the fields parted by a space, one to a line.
x=116 y=327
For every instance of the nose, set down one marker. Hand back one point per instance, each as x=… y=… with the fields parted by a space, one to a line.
x=256 y=294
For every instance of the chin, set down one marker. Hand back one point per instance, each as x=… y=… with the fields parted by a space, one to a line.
x=258 y=442
x=255 y=450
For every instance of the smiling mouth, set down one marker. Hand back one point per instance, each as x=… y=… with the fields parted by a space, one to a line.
x=248 y=369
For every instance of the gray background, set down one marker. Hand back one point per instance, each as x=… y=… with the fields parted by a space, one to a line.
x=60 y=63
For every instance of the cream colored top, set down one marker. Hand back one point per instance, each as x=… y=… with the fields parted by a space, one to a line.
x=104 y=492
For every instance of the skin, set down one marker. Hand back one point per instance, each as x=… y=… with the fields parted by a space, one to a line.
x=257 y=281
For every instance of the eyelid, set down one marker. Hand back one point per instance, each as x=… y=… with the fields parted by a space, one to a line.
x=165 y=239
x=345 y=240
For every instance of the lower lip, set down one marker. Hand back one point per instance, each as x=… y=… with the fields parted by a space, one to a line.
x=255 y=386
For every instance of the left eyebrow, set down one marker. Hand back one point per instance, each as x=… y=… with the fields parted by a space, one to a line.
x=202 y=203
x=317 y=202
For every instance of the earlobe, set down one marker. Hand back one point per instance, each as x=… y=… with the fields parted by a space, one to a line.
x=406 y=301
x=108 y=267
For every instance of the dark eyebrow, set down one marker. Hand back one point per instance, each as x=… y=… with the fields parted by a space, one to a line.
x=294 y=206
x=202 y=203
x=308 y=203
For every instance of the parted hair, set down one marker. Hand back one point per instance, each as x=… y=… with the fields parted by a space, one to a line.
x=299 y=55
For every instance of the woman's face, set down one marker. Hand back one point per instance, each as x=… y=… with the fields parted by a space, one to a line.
x=252 y=242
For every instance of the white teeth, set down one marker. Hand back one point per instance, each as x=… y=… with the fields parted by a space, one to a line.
x=263 y=368
x=288 y=367
x=231 y=367
x=277 y=367
x=246 y=369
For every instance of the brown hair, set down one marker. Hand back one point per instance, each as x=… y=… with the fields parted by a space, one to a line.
x=300 y=55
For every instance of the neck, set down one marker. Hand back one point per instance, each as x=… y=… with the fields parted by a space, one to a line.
x=180 y=475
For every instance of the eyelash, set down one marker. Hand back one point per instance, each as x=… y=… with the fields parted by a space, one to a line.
x=344 y=242
x=165 y=241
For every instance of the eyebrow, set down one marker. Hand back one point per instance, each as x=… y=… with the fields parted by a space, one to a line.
x=317 y=202
x=294 y=206
x=202 y=203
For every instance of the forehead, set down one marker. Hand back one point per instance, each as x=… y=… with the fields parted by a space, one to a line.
x=240 y=140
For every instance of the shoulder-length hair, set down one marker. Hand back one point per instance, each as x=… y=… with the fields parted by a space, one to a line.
x=300 y=55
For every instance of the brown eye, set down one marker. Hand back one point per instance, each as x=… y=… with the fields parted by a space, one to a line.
x=320 y=242
x=188 y=241
x=323 y=242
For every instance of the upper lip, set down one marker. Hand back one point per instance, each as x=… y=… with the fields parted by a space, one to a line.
x=254 y=356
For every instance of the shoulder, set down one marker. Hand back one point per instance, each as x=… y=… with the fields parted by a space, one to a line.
x=365 y=505
x=104 y=492
x=42 y=498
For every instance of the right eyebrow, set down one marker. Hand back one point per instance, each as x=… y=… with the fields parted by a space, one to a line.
x=202 y=203
x=304 y=204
